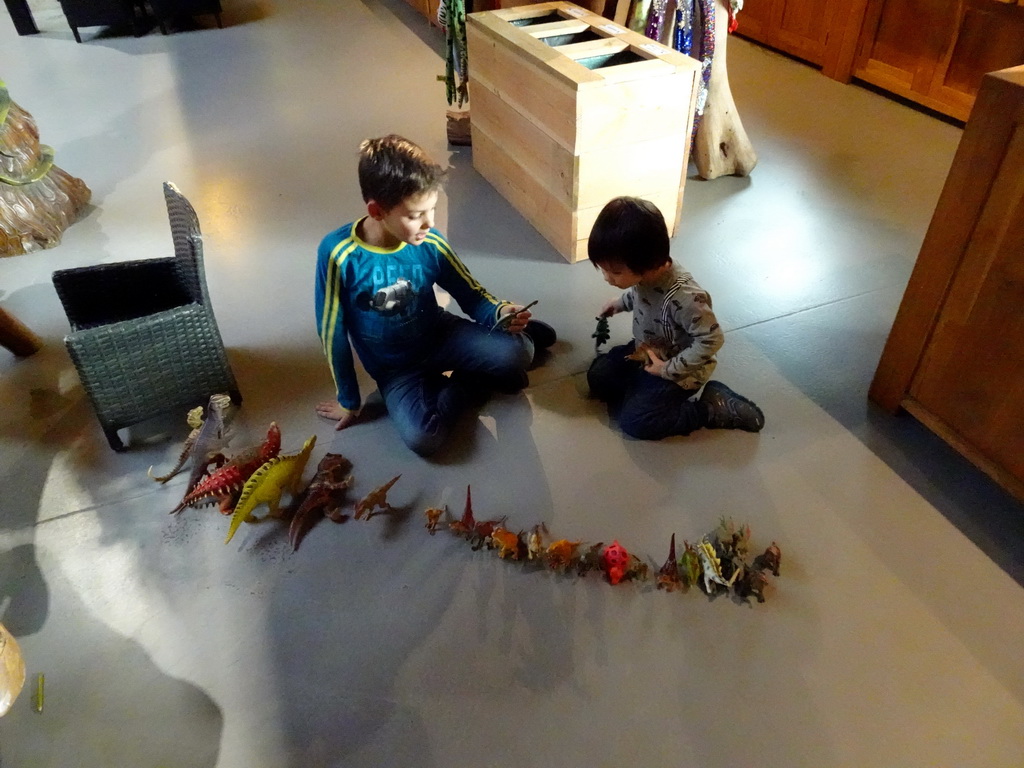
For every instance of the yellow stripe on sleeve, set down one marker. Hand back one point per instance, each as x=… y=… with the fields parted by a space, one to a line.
x=332 y=299
x=460 y=268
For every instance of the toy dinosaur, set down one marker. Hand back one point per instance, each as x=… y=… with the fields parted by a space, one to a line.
x=752 y=582
x=434 y=515
x=615 y=561
x=690 y=564
x=323 y=496
x=194 y=420
x=561 y=554
x=602 y=333
x=668 y=576
x=712 y=567
x=378 y=497
x=481 y=535
x=465 y=526
x=734 y=541
x=207 y=438
x=535 y=542
x=506 y=320
x=506 y=542
x=638 y=570
x=223 y=486
x=590 y=560
x=640 y=354
x=769 y=560
x=267 y=484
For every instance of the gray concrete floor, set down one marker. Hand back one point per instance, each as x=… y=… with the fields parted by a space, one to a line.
x=890 y=639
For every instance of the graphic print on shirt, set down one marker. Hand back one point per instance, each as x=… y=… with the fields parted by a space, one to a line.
x=397 y=295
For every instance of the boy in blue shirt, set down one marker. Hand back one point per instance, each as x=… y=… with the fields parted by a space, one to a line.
x=375 y=286
x=652 y=381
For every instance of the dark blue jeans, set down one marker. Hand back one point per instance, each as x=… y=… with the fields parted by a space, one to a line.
x=424 y=404
x=647 y=407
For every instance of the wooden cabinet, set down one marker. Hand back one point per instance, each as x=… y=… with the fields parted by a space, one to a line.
x=933 y=52
x=569 y=110
x=798 y=27
x=955 y=356
x=936 y=52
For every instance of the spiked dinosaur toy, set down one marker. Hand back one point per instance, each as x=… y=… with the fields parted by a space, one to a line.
x=712 y=567
x=224 y=485
x=203 y=444
x=267 y=484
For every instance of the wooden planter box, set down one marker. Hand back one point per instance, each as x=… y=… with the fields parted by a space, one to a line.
x=570 y=110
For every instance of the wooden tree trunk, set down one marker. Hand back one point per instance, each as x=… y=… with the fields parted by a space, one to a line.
x=38 y=200
x=12 y=670
x=721 y=147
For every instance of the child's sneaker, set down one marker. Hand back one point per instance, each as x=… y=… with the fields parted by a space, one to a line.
x=728 y=410
x=542 y=334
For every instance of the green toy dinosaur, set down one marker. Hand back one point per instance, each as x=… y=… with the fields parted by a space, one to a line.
x=268 y=483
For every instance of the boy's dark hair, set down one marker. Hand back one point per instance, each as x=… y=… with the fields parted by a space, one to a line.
x=631 y=232
x=392 y=168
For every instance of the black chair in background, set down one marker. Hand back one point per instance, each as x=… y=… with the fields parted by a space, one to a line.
x=143 y=335
x=167 y=11
x=104 y=13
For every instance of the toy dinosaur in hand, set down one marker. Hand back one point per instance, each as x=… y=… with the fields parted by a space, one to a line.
x=267 y=484
x=223 y=486
x=602 y=333
x=378 y=497
x=206 y=440
x=322 y=498
x=505 y=321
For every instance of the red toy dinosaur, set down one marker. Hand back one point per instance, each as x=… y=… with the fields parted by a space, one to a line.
x=223 y=485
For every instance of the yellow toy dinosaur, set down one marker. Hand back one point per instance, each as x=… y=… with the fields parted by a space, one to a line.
x=268 y=483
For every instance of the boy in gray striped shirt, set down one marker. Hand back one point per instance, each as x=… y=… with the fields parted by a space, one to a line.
x=650 y=383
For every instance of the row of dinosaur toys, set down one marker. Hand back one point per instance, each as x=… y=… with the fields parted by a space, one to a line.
x=261 y=475
x=717 y=561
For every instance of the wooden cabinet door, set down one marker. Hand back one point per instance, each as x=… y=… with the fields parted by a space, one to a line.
x=955 y=356
x=797 y=27
x=935 y=52
x=972 y=374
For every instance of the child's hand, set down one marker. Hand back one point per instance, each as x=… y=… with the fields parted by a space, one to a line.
x=610 y=308
x=520 y=316
x=330 y=409
x=657 y=366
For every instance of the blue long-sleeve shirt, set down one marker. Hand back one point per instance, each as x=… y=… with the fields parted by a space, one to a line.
x=383 y=300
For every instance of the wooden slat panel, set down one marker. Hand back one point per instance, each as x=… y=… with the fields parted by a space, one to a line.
x=536 y=92
x=636 y=110
x=550 y=217
x=645 y=169
x=536 y=154
x=972 y=374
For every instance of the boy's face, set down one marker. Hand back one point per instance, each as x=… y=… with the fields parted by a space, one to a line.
x=619 y=275
x=410 y=220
